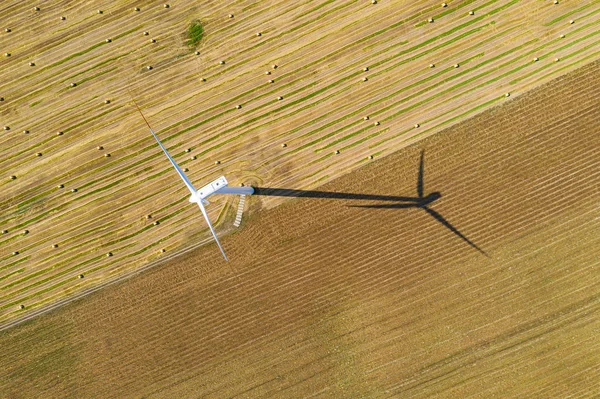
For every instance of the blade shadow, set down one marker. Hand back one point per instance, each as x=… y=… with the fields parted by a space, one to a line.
x=398 y=202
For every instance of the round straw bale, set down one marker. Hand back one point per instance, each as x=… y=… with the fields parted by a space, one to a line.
x=60 y=186
x=62 y=18
x=13 y=177
x=26 y=131
x=108 y=254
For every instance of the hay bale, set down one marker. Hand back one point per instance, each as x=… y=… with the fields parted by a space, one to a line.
x=555 y=1
x=376 y=123
x=571 y=22
x=73 y=84
x=73 y=190
x=39 y=154
x=109 y=254
x=107 y=101
x=365 y=69
x=283 y=145
x=21 y=307
x=370 y=156
x=267 y=72
x=197 y=52
x=4 y=231
x=507 y=95
x=146 y=33
x=535 y=59
x=562 y=36
x=222 y=62
x=166 y=6
x=7 y=54
x=556 y=59
x=471 y=12
x=60 y=186
x=108 y=40
x=13 y=177
x=62 y=18
x=258 y=34
x=186 y=170
x=1 y=98
x=100 y=147
x=193 y=157
x=25 y=232
x=80 y=276
x=26 y=131
x=217 y=162
x=15 y=253
x=431 y=65
x=274 y=66
x=280 y=98
x=417 y=126
x=366 y=118
x=152 y=40
x=163 y=250
x=238 y=106
x=148 y=216
x=54 y=245
x=156 y=223
x=149 y=67
x=444 y=5
x=107 y=155
x=365 y=79
x=136 y=9
x=188 y=150
x=36 y=8
x=337 y=151
x=6 y=127
x=203 y=79
x=100 y=12
x=456 y=65
x=271 y=81
x=430 y=20
x=7 y=30
x=59 y=133
x=230 y=15
x=373 y=1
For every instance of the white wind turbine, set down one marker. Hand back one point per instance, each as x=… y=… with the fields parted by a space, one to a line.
x=218 y=186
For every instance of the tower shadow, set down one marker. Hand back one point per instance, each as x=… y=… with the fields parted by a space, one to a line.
x=391 y=202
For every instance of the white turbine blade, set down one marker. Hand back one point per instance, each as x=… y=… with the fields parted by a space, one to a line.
x=187 y=182
x=211 y=229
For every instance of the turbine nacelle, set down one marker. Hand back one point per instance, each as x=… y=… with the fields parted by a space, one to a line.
x=209 y=189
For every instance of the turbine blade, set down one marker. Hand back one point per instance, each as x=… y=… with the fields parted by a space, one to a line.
x=211 y=229
x=453 y=229
x=420 y=179
x=187 y=182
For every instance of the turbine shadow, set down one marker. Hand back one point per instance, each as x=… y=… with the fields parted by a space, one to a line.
x=420 y=201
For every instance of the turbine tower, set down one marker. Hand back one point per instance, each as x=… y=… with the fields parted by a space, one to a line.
x=218 y=186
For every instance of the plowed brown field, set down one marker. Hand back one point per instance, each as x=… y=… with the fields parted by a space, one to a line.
x=324 y=299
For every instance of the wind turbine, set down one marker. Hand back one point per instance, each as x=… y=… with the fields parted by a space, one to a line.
x=218 y=186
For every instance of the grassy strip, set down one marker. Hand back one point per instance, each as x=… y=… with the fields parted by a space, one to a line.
x=110 y=60
x=20 y=260
x=55 y=285
x=555 y=20
x=584 y=59
x=564 y=58
x=451 y=10
x=10 y=274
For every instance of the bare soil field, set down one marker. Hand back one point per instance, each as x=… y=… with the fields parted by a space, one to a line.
x=345 y=296
x=72 y=75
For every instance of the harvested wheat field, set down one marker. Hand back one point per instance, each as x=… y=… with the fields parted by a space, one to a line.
x=278 y=93
x=344 y=296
